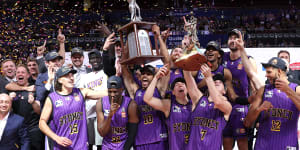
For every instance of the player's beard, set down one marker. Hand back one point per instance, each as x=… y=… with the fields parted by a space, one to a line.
x=97 y=67
x=233 y=49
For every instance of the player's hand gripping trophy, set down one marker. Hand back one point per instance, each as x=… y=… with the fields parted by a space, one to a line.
x=193 y=57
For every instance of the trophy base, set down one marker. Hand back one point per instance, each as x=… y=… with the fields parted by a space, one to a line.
x=141 y=59
x=191 y=62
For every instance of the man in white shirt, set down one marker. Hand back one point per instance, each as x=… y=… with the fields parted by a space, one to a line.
x=13 y=132
x=96 y=80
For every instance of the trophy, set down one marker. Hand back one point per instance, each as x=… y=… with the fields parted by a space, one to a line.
x=193 y=57
x=138 y=40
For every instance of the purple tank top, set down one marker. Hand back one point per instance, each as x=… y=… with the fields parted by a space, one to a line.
x=178 y=124
x=118 y=135
x=207 y=126
x=200 y=76
x=278 y=126
x=151 y=128
x=240 y=80
x=69 y=119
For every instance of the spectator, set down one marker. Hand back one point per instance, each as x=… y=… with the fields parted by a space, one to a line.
x=293 y=75
x=13 y=132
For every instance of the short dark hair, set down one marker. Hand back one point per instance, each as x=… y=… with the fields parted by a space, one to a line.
x=7 y=60
x=283 y=51
x=24 y=66
x=57 y=86
x=30 y=59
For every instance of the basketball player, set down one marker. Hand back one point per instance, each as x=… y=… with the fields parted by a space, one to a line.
x=214 y=55
x=209 y=113
x=66 y=108
x=117 y=117
x=235 y=130
x=176 y=108
x=278 y=104
x=151 y=132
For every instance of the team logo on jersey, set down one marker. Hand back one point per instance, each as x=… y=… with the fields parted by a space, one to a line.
x=176 y=109
x=58 y=103
x=67 y=98
x=76 y=97
x=290 y=148
x=241 y=110
x=240 y=66
x=139 y=93
x=269 y=94
x=225 y=63
x=240 y=130
x=163 y=135
x=203 y=103
x=201 y=76
x=123 y=113
x=106 y=112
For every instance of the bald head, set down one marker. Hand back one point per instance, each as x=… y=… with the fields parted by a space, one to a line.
x=5 y=103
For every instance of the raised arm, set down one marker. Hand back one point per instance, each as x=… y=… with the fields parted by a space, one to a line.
x=129 y=82
x=249 y=64
x=194 y=93
x=46 y=113
x=93 y=94
x=108 y=59
x=256 y=108
x=162 y=84
x=61 y=42
x=220 y=102
x=156 y=103
x=163 y=48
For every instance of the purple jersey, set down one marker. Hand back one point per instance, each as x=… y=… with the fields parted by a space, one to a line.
x=151 y=128
x=235 y=127
x=278 y=126
x=178 y=124
x=240 y=80
x=69 y=119
x=207 y=125
x=118 y=135
x=200 y=76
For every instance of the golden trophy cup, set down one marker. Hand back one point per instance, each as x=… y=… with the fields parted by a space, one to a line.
x=193 y=57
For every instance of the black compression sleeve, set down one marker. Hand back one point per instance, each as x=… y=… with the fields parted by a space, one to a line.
x=132 y=129
x=242 y=100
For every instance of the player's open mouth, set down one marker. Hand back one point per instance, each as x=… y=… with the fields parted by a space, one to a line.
x=20 y=78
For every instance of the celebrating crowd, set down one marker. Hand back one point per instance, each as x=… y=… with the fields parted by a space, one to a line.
x=47 y=103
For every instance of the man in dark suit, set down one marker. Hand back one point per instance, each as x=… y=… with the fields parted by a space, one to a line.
x=3 y=83
x=13 y=133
